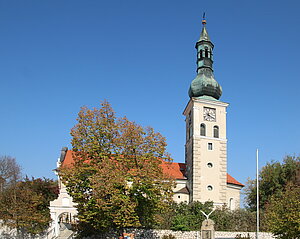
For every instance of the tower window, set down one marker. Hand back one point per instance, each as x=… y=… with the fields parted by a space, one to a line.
x=210 y=146
x=206 y=52
x=202 y=130
x=216 y=131
x=210 y=165
x=201 y=54
x=209 y=188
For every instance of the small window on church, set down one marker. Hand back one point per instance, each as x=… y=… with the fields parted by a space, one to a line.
x=209 y=188
x=210 y=146
x=209 y=165
x=178 y=196
x=216 y=131
x=202 y=130
x=201 y=54
x=231 y=204
x=206 y=52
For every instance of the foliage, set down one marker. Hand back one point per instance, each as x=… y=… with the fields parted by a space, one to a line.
x=116 y=179
x=188 y=217
x=25 y=205
x=234 y=220
x=10 y=172
x=273 y=178
x=283 y=213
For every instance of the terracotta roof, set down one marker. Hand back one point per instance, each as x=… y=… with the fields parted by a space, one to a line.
x=174 y=170
x=232 y=180
x=68 y=161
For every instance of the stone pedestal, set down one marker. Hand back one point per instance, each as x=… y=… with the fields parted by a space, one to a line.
x=207 y=229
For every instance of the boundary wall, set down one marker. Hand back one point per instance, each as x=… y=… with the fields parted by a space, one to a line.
x=158 y=234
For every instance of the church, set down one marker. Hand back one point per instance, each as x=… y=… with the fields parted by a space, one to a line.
x=203 y=177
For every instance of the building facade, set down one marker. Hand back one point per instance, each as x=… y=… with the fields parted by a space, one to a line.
x=203 y=177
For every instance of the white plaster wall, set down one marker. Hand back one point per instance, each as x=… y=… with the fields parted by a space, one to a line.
x=233 y=192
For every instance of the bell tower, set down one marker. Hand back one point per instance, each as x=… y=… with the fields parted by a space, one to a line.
x=206 y=141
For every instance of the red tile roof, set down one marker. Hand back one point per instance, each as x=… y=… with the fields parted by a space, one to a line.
x=174 y=170
x=232 y=180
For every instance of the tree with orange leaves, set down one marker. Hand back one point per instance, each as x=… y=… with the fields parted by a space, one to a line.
x=116 y=179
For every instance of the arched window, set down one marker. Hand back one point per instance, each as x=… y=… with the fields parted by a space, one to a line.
x=231 y=204
x=216 y=131
x=206 y=52
x=202 y=130
x=201 y=54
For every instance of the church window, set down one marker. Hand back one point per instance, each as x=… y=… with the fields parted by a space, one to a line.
x=210 y=146
x=231 y=204
x=209 y=188
x=201 y=54
x=210 y=165
x=216 y=131
x=178 y=196
x=202 y=130
x=206 y=52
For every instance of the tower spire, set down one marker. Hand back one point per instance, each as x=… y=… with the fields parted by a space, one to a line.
x=205 y=85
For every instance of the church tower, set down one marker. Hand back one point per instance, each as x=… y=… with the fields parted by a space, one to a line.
x=206 y=142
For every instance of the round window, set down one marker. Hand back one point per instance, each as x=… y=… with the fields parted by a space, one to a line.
x=209 y=188
x=210 y=165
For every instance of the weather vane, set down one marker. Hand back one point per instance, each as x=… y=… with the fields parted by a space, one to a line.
x=203 y=19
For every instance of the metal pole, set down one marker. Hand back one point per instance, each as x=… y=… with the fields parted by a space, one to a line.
x=257 y=196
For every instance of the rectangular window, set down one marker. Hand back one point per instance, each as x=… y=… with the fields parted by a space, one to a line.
x=210 y=146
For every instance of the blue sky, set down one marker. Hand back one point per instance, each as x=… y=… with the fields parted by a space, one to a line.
x=57 y=56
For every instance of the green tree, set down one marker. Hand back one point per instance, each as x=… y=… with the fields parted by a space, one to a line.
x=188 y=217
x=234 y=220
x=116 y=179
x=283 y=213
x=273 y=178
x=25 y=205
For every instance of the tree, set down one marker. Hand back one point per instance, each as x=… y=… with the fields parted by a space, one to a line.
x=283 y=213
x=234 y=220
x=116 y=179
x=188 y=217
x=25 y=205
x=10 y=172
x=273 y=178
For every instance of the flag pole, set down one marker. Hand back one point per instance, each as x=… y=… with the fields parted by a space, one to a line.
x=257 y=196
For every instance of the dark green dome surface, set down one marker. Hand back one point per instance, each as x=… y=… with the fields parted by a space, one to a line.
x=205 y=85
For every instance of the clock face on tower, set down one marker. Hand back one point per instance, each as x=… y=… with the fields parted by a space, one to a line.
x=209 y=114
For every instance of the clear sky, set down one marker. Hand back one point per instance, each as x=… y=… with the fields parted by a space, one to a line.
x=56 y=56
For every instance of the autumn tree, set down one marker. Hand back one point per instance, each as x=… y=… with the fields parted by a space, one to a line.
x=273 y=178
x=283 y=213
x=116 y=179
x=25 y=205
